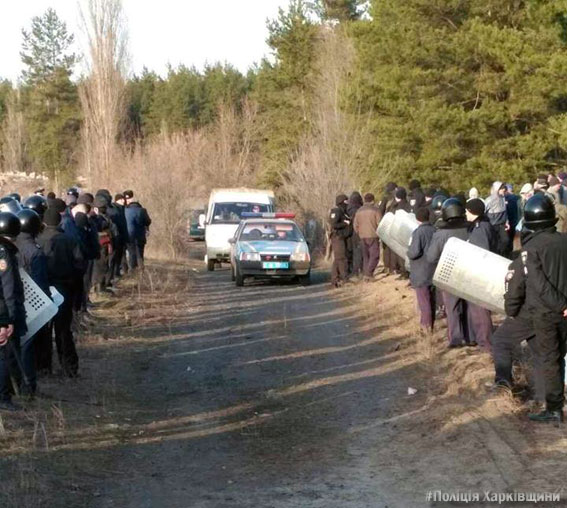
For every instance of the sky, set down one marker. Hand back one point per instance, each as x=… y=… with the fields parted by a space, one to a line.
x=189 y=32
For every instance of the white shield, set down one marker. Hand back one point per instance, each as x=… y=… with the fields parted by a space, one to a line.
x=472 y=273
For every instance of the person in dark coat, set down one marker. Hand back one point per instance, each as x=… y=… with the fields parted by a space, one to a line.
x=416 y=196
x=453 y=224
x=340 y=226
x=421 y=270
x=513 y=211
x=517 y=327
x=384 y=206
x=32 y=259
x=65 y=267
x=544 y=258
x=12 y=310
x=106 y=230
x=117 y=214
x=481 y=234
x=354 y=242
x=138 y=222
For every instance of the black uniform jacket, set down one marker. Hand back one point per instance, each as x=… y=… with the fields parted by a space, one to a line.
x=12 y=288
x=544 y=256
x=341 y=225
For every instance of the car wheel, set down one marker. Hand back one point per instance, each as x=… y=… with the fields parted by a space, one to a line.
x=232 y=276
x=211 y=265
x=305 y=280
x=238 y=277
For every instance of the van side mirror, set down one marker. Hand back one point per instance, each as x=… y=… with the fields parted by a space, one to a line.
x=232 y=241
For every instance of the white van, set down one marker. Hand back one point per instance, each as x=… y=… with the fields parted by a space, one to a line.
x=223 y=216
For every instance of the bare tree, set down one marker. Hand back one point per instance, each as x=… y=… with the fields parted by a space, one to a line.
x=102 y=92
x=13 y=136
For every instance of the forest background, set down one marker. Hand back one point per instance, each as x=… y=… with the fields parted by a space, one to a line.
x=455 y=93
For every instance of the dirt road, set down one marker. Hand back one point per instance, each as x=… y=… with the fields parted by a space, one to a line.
x=196 y=393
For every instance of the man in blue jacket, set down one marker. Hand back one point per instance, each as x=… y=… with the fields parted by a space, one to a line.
x=421 y=270
x=138 y=222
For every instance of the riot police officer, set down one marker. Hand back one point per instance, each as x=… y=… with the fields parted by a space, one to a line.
x=544 y=259
x=32 y=259
x=453 y=223
x=340 y=231
x=12 y=310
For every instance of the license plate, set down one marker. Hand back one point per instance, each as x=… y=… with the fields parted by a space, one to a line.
x=275 y=265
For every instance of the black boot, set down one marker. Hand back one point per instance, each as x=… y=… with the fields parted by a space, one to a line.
x=547 y=416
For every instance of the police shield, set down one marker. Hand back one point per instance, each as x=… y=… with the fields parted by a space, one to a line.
x=396 y=230
x=472 y=273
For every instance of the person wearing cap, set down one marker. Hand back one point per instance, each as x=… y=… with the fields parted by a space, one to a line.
x=106 y=230
x=481 y=234
x=498 y=216
x=39 y=192
x=138 y=223
x=544 y=261
x=453 y=224
x=340 y=231
x=65 y=267
x=12 y=310
x=421 y=270
x=366 y=222
x=119 y=231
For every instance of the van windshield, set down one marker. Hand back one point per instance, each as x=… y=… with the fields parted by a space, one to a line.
x=231 y=213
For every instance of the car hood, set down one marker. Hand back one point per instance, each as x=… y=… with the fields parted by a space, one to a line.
x=277 y=247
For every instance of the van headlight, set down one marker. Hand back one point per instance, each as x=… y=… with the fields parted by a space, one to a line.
x=302 y=257
x=250 y=256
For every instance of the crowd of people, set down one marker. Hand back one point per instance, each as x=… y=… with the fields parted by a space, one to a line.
x=527 y=228
x=79 y=245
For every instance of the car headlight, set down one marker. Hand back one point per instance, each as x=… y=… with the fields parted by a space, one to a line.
x=250 y=256
x=302 y=257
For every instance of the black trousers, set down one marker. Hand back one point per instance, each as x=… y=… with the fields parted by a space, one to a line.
x=136 y=249
x=506 y=342
x=550 y=337
x=44 y=349
x=339 y=270
x=9 y=368
x=116 y=260
x=64 y=339
x=355 y=258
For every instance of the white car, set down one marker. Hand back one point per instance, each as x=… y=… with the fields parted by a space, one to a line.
x=224 y=213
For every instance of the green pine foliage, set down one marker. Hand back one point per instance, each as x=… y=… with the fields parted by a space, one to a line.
x=284 y=88
x=463 y=92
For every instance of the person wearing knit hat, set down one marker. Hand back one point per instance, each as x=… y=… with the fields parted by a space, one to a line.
x=366 y=222
x=65 y=264
x=482 y=234
x=421 y=270
x=340 y=224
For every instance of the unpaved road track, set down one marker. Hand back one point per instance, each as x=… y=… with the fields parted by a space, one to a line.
x=271 y=395
x=254 y=403
x=201 y=394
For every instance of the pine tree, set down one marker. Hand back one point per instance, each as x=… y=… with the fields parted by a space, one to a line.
x=284 y=88
x=51 y=105
x=464 y=92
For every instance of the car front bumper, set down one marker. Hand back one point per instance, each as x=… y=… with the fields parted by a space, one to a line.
x=254 y=269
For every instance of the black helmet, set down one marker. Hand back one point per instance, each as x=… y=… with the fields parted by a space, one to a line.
x=539 y=212
x=9 y=204
x=437 y=202
x=36 y=203
x=16 y=196
x=30 y=222
x=9 y=224
x=453 y=209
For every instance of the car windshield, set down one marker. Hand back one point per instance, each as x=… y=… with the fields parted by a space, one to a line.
x=271 y=231
x=231 y=213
